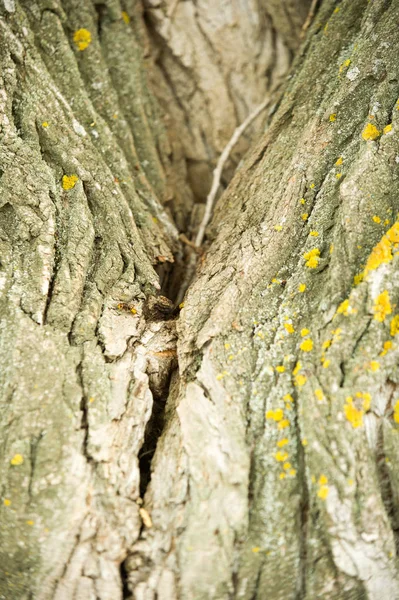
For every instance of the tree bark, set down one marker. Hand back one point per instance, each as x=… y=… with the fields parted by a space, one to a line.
x=245 y=448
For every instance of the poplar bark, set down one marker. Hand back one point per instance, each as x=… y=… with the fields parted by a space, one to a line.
x=245 y=446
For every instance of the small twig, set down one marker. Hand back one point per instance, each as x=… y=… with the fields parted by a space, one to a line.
x=217 y=173
x=172 y=9
x=309 y=18
x=188 y=242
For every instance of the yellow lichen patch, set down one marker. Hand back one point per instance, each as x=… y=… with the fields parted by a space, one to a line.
x=312 y=185
x=326 y=344
x=387 y=346
x=288 y=398
x=395 y=325
x=283 y=424
x=30 y=522
x=387 y=129
x=302 y=200
x=289 y=327
x=281 y=456
x=339 y=161
x=278 y=227
x=125 y=17
x=338 y=175
x=17 y=460
x=346 y=309
x=326 y=364
x=323 y=480
x=333 y=117
x=221 y=375
x=353 y=415
x=82 y=38
x=314 y=233
x=345 y=64
x=227 y=346
x=300 y=380
x=323 y=492
x=366 y=400
x=302 y=287
x=396 y=412
x=304 y=442
x=374 y=366
x=45 y=124
x=312 y=258
x=282 y=476
x=370 y=132
x=304 y=216
x=358 y=278
x=319 y=394
x=304 y=332
x=331 y=248
x=280 y=369
x=382 y=306
x=275 y=415
x=287 y=466
x=7 y=502
x=282 y=443
x=297 y=368
x=69 y=181
x=307 y=345
x=382 y=252
x=256 y=549
x=292 y=472
x=376 y=219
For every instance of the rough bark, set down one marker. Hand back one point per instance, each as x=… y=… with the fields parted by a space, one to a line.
x=273 y=474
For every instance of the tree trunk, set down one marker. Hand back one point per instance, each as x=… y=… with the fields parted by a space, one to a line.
x=246 y=447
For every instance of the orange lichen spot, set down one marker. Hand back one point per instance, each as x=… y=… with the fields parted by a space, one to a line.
x=314 y=233
x=297 y=368
x=82 y=38
x=387 y=346
x=395 y=325
x=319 y=394
x=376 y=219
x=339 y=161
x=281 y=456
x=17 y=460
x=280 y=369
x=125 y=17
x=312 y=258
x=282 y=443
x=283 y=424
x=353 y=415
x=307 y=345
x=382 y=306
x=275 y=415
x=289 y=327
x=387 y=129
x=7 y=502
x=300 y=380
x=304 y=216
x=323 y=492
x=69 y=181
x=333 y=117
x=45 y=124
x=374 y=366
x=278 y=227
x=370 y=132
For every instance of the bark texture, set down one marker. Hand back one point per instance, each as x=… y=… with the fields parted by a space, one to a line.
x=276 y=439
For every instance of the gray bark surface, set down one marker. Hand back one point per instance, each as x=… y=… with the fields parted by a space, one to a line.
x=247 y=446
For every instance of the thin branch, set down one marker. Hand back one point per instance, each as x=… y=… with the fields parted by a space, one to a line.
x=217 y=173
x=309 y=18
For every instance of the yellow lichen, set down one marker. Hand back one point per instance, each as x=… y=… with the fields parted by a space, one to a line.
x=304 y=332
x=358 y=278
x=333 y=117
x=69 y=181
x=319 y=394
x=387 y=129
x=283 y=424
x=288 y=398
x=302 y=201
x=300 y=380
x=312 y=258
x=82 y=38
x=275 y=415
x=382 y=306
x=387 y=346
x=366 y=400
x=282 y=476
x=370 y=132
x=255 y=549
x=17 y=460
x=338 y=175
x=280 y=368
x=323 y=492
x=396 y=412
x=45 y=124
x=304 y=442
x=278 y=227
x=345 y=64
x=302 y=287
x=281 y=456
x=304 y=216
x=125 y=17
x=314 y=233
x=374 y=365
x=282 y=443
x=353 y=415
x=376 y=219
x=307 y=345
x=297 y=368
x=7 y=502
x=326 y=344
x=395 y=325
x=326 y=364
x=287 y=466
x=339 y=161
x=289 y=327
x=346 y=309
